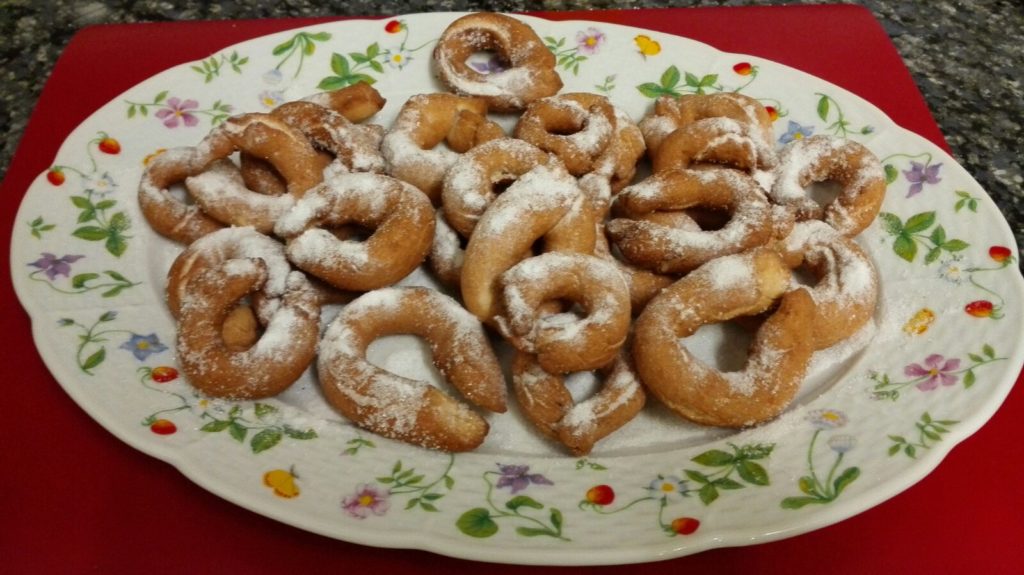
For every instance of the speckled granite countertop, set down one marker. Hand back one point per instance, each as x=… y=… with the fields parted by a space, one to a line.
x=964 y=56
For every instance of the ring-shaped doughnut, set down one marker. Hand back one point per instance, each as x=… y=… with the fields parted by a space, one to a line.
x=666 y=249
x=429 y=133
x=565 y=342
x=673 y=112
x=354 y=146
x=529 y=67
x=401 y=217
x=549 y=406
x=726 y=288
x=221 y=191
x=577 y=127
x=845 y=292
x=280 y=356
x=616 y=167
x=405 y=409
x=849 y=164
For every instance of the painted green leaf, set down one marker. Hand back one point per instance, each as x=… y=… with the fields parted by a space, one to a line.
x=321 y=36
x=651 y=90
x=894 y=449
x=969 y=378
x=299 y=434
x=905 y=247
x=911 y=451
x=919 y=222
x=988 y=351
x=556 y=518
x=845 y=479
x=81 y=202
x=955 y=245
x=90 y=233
x=670 y=77
x=332 y=83
x=714 y=458
x=308 y=48
x=806 y=485
x=708 y=80
x=449 y=481
x=532 y=531
x=160 y=97
x=377 y=66
x=80 y=280
x=265 y=439
x=238 y=432
x=339 y=64
x=373 y=50
x=283 y=47
x=823 y=108
x=412 y=503
x=975 y=357
x=933 y=255
x=752 y=472
x=116 y=244
x=799 y=502
x=477 y=522
x=215 y=426
x=95 y=359
x=726 y=483
x=108 y=316
x=708 y=493
x=523 y=501
x=891 y=223
x=428 y=507
x=938 y=235
x=891 y=173
x=696 y=476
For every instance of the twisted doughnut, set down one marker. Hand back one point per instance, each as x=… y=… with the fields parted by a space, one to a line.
x=846 y=291
x=282 y=353
x=549 y=406
x=404 y=409
x=671 y=113
x=401 y=218
x=667 y=249
x=412 y=147
x=716 y=141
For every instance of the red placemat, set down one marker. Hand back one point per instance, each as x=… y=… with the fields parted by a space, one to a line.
x=74 y=499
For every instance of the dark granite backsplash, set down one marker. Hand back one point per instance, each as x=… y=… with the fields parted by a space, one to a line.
x=966 y=58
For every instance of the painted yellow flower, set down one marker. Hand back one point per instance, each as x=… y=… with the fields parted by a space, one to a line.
x=647 y=46
x=920 y=323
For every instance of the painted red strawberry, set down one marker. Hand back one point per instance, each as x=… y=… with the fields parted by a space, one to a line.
x=393 y=27
x=999 y=253
x=980 y=308
x=743 y=69
x=55 y=176
x=163 y=374
x=109 y=145
x=163 y=427
x=685 y=525
x=601 y=495
x=772 y=112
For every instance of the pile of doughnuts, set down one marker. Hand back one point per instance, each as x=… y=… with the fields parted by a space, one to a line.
x=543 y=239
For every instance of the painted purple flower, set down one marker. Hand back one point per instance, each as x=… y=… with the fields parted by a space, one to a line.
x=920 y=174
x=517 y=478
x=491 y=65
x=796 y=132
x=367 y=500
x=589 y=41
x=143 y=346
x=936 y=369
x=177 y=111
x=54 y=266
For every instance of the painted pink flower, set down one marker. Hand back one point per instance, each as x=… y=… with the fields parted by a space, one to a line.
x=177 y=111
x=367 y=500
x=936 y=369
x=589 y=41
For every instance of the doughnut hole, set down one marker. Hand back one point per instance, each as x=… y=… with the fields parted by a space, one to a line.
x=824 y=193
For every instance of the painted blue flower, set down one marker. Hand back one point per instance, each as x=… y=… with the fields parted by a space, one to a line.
x=517 y=478
x=920 y=174
x=53 y=266
x=143 y=346
x=796 y=132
